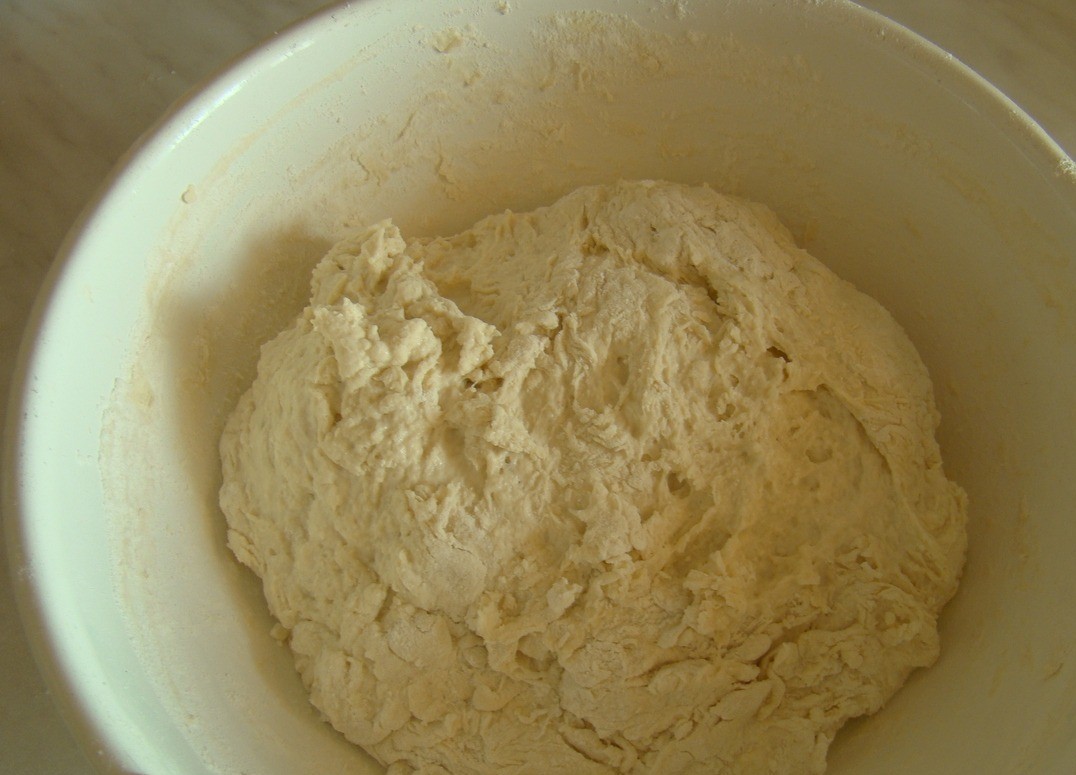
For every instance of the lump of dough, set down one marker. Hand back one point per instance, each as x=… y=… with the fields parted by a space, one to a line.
x=626 y=484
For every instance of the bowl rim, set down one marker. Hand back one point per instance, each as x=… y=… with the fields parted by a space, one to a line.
x=70 y=692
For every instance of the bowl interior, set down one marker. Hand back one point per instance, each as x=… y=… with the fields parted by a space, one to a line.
x=888 y=160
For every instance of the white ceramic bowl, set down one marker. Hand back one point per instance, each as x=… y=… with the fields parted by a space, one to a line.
x=893 y=163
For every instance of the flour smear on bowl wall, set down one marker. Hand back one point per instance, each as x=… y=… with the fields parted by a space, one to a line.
x=903 y=173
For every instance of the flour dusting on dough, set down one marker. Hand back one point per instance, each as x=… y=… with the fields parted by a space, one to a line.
x=629 y=483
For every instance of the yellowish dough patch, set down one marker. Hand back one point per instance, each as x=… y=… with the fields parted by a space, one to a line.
x=626 y=484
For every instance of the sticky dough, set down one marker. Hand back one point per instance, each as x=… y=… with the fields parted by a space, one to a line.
x=625 y=484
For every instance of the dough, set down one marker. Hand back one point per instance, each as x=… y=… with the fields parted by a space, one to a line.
x=629 y=483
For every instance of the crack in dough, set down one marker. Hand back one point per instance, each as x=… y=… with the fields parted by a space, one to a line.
x=629 y=483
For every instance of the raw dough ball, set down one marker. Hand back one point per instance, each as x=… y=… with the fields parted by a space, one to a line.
x=626 y=484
